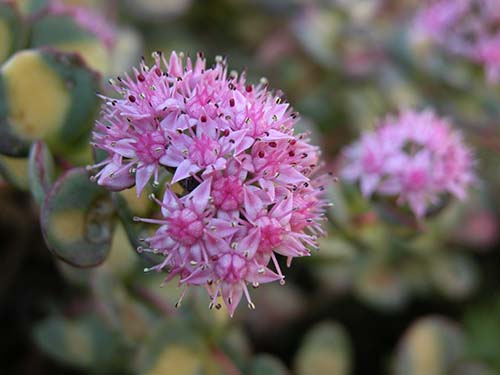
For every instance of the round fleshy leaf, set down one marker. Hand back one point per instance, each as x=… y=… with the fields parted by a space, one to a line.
x=432 y=345
x=381 y=286
x=265 y=364
x=335 y=249
x=12 y=30
x=335 y=277
x=174 y=348
x=65 y=34
x=482 y=325
x=276 y=305
x=126 y=52
x=135 y=230
x=77 y=220
x=325 y=350
x=118 y=309
x=14 y=171
x=128 y=206
x=40 y=171
x=122 y=260
x=85 y=342
x=454 y=275
x=318 y=32
x=236 y=344
x=45 y=95
x=156 y=10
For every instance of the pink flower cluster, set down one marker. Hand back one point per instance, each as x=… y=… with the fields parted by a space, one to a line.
x=469 y=28
x=416 y=156
x=87 y=19
x=249 y=187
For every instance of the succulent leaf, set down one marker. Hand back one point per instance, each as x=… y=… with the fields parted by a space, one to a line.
x=45 y=95
x=40 y=170
x=77 y=220
x=325 y=350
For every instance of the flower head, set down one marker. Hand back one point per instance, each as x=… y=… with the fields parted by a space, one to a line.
x=469 y=28
x=416 y=156
x=250 y=191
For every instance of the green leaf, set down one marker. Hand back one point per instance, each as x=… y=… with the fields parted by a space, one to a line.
x=77 y=220
x=12 y=30
x=45 y=95
x=14 y=171
x=157 y=10
x=380 y=284
x=326 y=350
x=40 y=171
x=175 y=348
x=454 y=274
x=128 y=206
x=482 y=324
x=432 y=345
x=122 y=260
x=265 y=364
x=65 y=34
x=85 y=342
x=51 y=30
x=319 y=32
x=135 y=230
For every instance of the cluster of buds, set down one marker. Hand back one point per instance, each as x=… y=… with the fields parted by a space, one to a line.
x=468 y=28
x=250 y=190
x=416 y=156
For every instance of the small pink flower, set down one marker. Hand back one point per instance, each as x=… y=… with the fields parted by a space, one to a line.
x=469 y=28
x=416 y=156
x=251 y=191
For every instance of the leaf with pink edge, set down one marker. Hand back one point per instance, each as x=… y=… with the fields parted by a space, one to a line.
x=77 y=219
x=40 y=171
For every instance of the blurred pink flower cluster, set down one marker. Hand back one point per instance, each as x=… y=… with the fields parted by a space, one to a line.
x=469 y=28
x=415 y=156
x=249 y=187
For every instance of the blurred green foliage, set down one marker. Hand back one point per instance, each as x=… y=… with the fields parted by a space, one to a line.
x=343 y=65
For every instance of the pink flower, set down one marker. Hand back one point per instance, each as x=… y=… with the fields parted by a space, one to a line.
x=250 y=188
x=416 y=156
x=469 y=28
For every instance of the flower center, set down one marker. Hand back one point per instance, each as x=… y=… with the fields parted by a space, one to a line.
x=416 y=179
x=151 y=147
x=270 y=234
x=185 y=227
x=227 y=193
x=231 y=268
x=371 y=163
x=204 y=151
